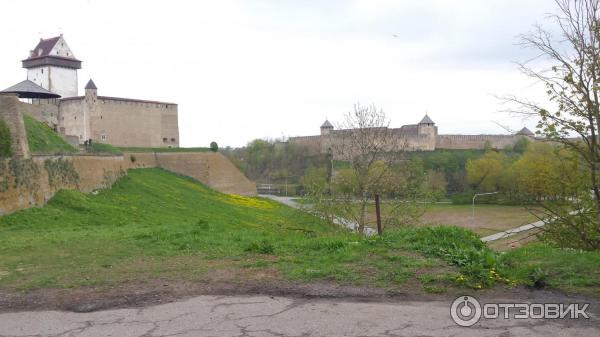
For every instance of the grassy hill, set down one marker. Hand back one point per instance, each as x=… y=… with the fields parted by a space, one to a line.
x=43 y=140
x=155 y=225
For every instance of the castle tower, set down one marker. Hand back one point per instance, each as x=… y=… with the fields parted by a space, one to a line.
x=91 y=91
x=428 y=133
x=89 y=110
x=52 y=65
x=326 y=128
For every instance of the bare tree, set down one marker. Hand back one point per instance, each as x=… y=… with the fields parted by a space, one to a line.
x=365 y=141
x=572 y=83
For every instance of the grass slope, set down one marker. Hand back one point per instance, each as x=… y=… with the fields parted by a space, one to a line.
x=103 y=148
x=43 y=140
x=155 y=224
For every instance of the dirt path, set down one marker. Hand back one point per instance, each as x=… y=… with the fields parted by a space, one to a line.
x=280 y=316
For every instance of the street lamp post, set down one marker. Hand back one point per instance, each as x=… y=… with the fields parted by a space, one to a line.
x=478 y=194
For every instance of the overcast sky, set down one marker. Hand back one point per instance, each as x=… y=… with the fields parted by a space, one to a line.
x=241 y=70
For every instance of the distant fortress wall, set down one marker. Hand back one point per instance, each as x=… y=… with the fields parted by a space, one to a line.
x=466 y=142
x=415 y=137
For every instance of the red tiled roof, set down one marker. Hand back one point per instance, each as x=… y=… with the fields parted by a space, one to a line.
x=44 y=47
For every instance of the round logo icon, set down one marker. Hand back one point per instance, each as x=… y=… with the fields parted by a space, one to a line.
x=465 y=310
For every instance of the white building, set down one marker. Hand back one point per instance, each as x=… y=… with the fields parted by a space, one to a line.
x=53 y=66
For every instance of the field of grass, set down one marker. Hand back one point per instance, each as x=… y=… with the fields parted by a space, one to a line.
x=102 y=148
x=489 y=219
x=153 y=224
x=569 y=270
x=43 y=140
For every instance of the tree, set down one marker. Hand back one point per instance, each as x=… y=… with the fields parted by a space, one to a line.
x=547 y=172
x=214 y=147
x=572 y=83
x=484 y=174
x=366 y=142
x=435 y=184
x=521 y=145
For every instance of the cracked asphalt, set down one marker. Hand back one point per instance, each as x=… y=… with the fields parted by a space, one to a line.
x=280 y=316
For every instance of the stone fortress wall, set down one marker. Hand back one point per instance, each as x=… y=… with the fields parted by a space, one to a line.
x=111 y=120
x=52 y=72
x=10 y=113
x=97 y=171
x=465 y=142
x=417 y=137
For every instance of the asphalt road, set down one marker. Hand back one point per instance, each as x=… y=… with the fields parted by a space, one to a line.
x=280 y=316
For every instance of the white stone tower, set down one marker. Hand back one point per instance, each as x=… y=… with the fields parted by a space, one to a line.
x=52 y=65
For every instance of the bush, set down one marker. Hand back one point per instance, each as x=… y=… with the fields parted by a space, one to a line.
x=262 y=247
x=5 y=140
x=214 y=147
x=478 y=265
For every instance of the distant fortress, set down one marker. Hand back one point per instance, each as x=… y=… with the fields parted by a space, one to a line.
x=416 y=137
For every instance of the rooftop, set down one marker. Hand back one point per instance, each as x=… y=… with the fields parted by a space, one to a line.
x=426 y=120
x=28 y=89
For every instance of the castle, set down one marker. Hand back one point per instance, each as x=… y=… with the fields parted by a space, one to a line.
x=52 y=90
x=415 y=137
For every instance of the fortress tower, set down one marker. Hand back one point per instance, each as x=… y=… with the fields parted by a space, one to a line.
x=52 y=65
x=326 y=128
x=427 y=131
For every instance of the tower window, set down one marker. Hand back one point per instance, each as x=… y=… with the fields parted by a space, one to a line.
x=165 y=140
x=42 y=70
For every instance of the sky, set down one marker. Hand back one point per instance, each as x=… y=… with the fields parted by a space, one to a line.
x=241 y=70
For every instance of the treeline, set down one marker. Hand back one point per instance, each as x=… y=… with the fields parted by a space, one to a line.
x=275 y=161
x=528 y=170
x=543 y=172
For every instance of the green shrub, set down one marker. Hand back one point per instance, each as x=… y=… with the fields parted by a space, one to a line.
x=478 y=265
x=261 y=247
x=214 y=147
x=5 y=140
x=61 y=172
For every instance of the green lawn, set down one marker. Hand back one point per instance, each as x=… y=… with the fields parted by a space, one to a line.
x=489 y=219
x=157 y=225
x=44 y=140
x=154 y=224
x=102 y=148
x=573 y=271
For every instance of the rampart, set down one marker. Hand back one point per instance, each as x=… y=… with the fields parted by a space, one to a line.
x=10 y=112
x=28 y=181
x=465 y=142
